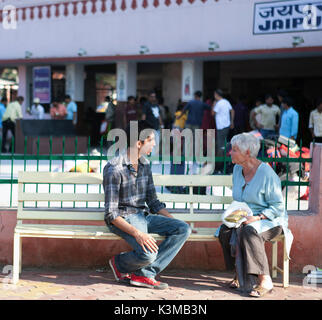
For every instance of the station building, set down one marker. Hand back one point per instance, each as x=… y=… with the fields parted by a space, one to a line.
x=93 y=48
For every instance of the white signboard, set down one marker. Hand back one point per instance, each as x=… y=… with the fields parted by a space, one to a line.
x=287 y=16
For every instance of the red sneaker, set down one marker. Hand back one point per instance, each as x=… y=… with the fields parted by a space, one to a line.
x=147 y=282
x=119 y=277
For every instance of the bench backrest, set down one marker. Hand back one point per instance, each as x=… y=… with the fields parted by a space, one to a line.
x=28 y=201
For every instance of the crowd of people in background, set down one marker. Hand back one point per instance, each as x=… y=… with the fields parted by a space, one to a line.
x=269 y=116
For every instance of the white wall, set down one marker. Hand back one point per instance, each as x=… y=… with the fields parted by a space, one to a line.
x=174 y=29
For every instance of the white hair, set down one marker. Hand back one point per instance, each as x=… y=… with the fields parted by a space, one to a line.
x=246 y=141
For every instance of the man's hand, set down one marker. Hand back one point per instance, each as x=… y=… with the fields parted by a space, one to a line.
x=146 y=241
x=143 y=239
x=164 y=212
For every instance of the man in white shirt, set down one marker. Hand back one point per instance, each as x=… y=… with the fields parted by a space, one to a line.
x=315 y=122
x=37 y=110
x=224 y=116
x=270 y=115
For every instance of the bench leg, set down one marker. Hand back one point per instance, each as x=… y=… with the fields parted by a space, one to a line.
x=286 y=270
x=274 y=259
x=16 y=257
x=20 y=255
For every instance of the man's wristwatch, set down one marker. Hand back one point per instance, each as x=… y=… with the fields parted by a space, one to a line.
x=261 y=217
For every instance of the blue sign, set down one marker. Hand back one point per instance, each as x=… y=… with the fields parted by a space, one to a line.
x=42 y=84
x=287 y=16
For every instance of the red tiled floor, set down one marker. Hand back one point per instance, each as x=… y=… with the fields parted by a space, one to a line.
x=84 y=284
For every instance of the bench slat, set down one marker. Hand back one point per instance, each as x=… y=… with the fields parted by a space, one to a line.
x=99 y=197
x=60 y=215
x=192 y=180
x=97 y=178
x=60 y=177
x=78 y=197
x=183 y=198
x=198 y=217
x=39 y=214
x=101 y=232
x=97 y=232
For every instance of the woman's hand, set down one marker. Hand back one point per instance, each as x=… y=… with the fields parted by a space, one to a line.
x=250 y=219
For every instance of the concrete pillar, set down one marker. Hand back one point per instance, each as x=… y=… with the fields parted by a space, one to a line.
x=75 y=81
x=125 y=86
x=24 y=75
x=192 y=78
x=125 y=80
x=315 y=197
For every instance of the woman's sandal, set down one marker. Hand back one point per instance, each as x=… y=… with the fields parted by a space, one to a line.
x=259 y=292
x=234 y=284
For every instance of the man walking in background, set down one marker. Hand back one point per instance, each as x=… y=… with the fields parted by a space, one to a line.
x=71 y=108
x=195 y=109
x=289 y=120
x=152 y=115
x=270 y=115
x=315 y=122
x=224 y=117
x=12 y=113
x=3 y=105
x=131 y=112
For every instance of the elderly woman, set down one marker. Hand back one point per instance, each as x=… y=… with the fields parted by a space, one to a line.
x=255 y=183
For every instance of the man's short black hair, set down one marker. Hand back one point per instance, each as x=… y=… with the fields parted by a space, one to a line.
x=67 y=96
x=142 y=125
x=268 y=95
x=108 y=98
x=130 y=98
x=282 y=93
x=219 y=92
x=20 y=98
x=4 y=99
x=288 y=101
x=198 y=93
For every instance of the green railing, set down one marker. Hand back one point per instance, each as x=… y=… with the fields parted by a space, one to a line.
x=11 y=163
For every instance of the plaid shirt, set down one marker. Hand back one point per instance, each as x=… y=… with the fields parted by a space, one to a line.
x=127 y=191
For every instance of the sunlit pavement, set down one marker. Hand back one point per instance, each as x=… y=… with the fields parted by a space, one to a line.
x=85 y=284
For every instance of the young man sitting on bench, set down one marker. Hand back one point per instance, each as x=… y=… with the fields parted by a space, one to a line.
x=128 y=187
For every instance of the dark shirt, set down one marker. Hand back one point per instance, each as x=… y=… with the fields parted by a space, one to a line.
x=152 y=113
x=131 y=113
x=127 y=191
x=195 y=111
x=241 y=116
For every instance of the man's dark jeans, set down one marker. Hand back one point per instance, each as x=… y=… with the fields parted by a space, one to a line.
x=6 y=126
x=149 y=264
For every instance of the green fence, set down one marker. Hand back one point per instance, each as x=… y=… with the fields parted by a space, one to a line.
x=11 y=163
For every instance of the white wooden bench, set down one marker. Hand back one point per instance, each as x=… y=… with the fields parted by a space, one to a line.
x=91 y=208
